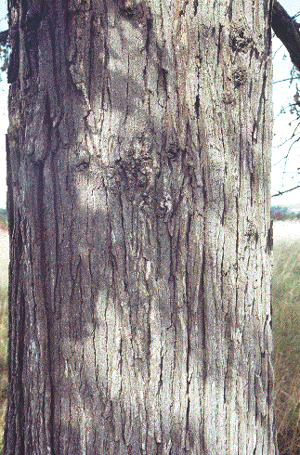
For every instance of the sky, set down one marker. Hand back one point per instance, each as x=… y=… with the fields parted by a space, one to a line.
x=284 y=171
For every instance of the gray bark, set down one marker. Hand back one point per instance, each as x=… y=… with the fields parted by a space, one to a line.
x=139 y=200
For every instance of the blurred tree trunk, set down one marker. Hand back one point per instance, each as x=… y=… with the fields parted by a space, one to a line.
x=138 y=200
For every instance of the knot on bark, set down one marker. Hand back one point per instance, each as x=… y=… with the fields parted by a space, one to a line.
x=240 y=40
x=239 y=77
x=132 y=9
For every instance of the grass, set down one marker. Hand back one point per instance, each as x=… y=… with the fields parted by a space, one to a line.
x=286 y=317
x=286 y=322
x=3 y=329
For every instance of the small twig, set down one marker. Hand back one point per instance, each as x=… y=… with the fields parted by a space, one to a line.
x=286 y=80
x=285 y=191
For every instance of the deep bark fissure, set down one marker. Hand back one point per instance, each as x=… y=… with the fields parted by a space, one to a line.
x=45 y=288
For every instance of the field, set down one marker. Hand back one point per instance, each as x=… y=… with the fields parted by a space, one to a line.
x=286 y=323
x=286 y=329
x=3 y=328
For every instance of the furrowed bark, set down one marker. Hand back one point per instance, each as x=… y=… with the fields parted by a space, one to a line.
x=139 y=201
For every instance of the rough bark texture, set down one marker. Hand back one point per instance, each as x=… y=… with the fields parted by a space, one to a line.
x=138 y=176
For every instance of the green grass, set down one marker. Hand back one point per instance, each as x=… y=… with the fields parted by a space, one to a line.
x=286 y=317
x=286 y=323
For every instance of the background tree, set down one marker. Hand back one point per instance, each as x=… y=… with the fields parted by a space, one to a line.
x=4 y=50
x=138 y=201
x=287 y=30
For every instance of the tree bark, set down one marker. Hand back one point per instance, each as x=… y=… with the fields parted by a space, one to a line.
x=285 y=28
x=139 y=200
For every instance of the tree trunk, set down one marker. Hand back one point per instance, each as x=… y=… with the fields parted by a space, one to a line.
x=139 y=200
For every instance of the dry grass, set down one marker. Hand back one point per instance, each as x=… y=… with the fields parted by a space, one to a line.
x=3 y=328
x=286 y=303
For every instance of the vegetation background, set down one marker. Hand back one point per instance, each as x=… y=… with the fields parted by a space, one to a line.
x=286 y=320
x=4 y=251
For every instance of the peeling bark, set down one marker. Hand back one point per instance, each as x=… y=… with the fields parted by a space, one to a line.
x=139 y=200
